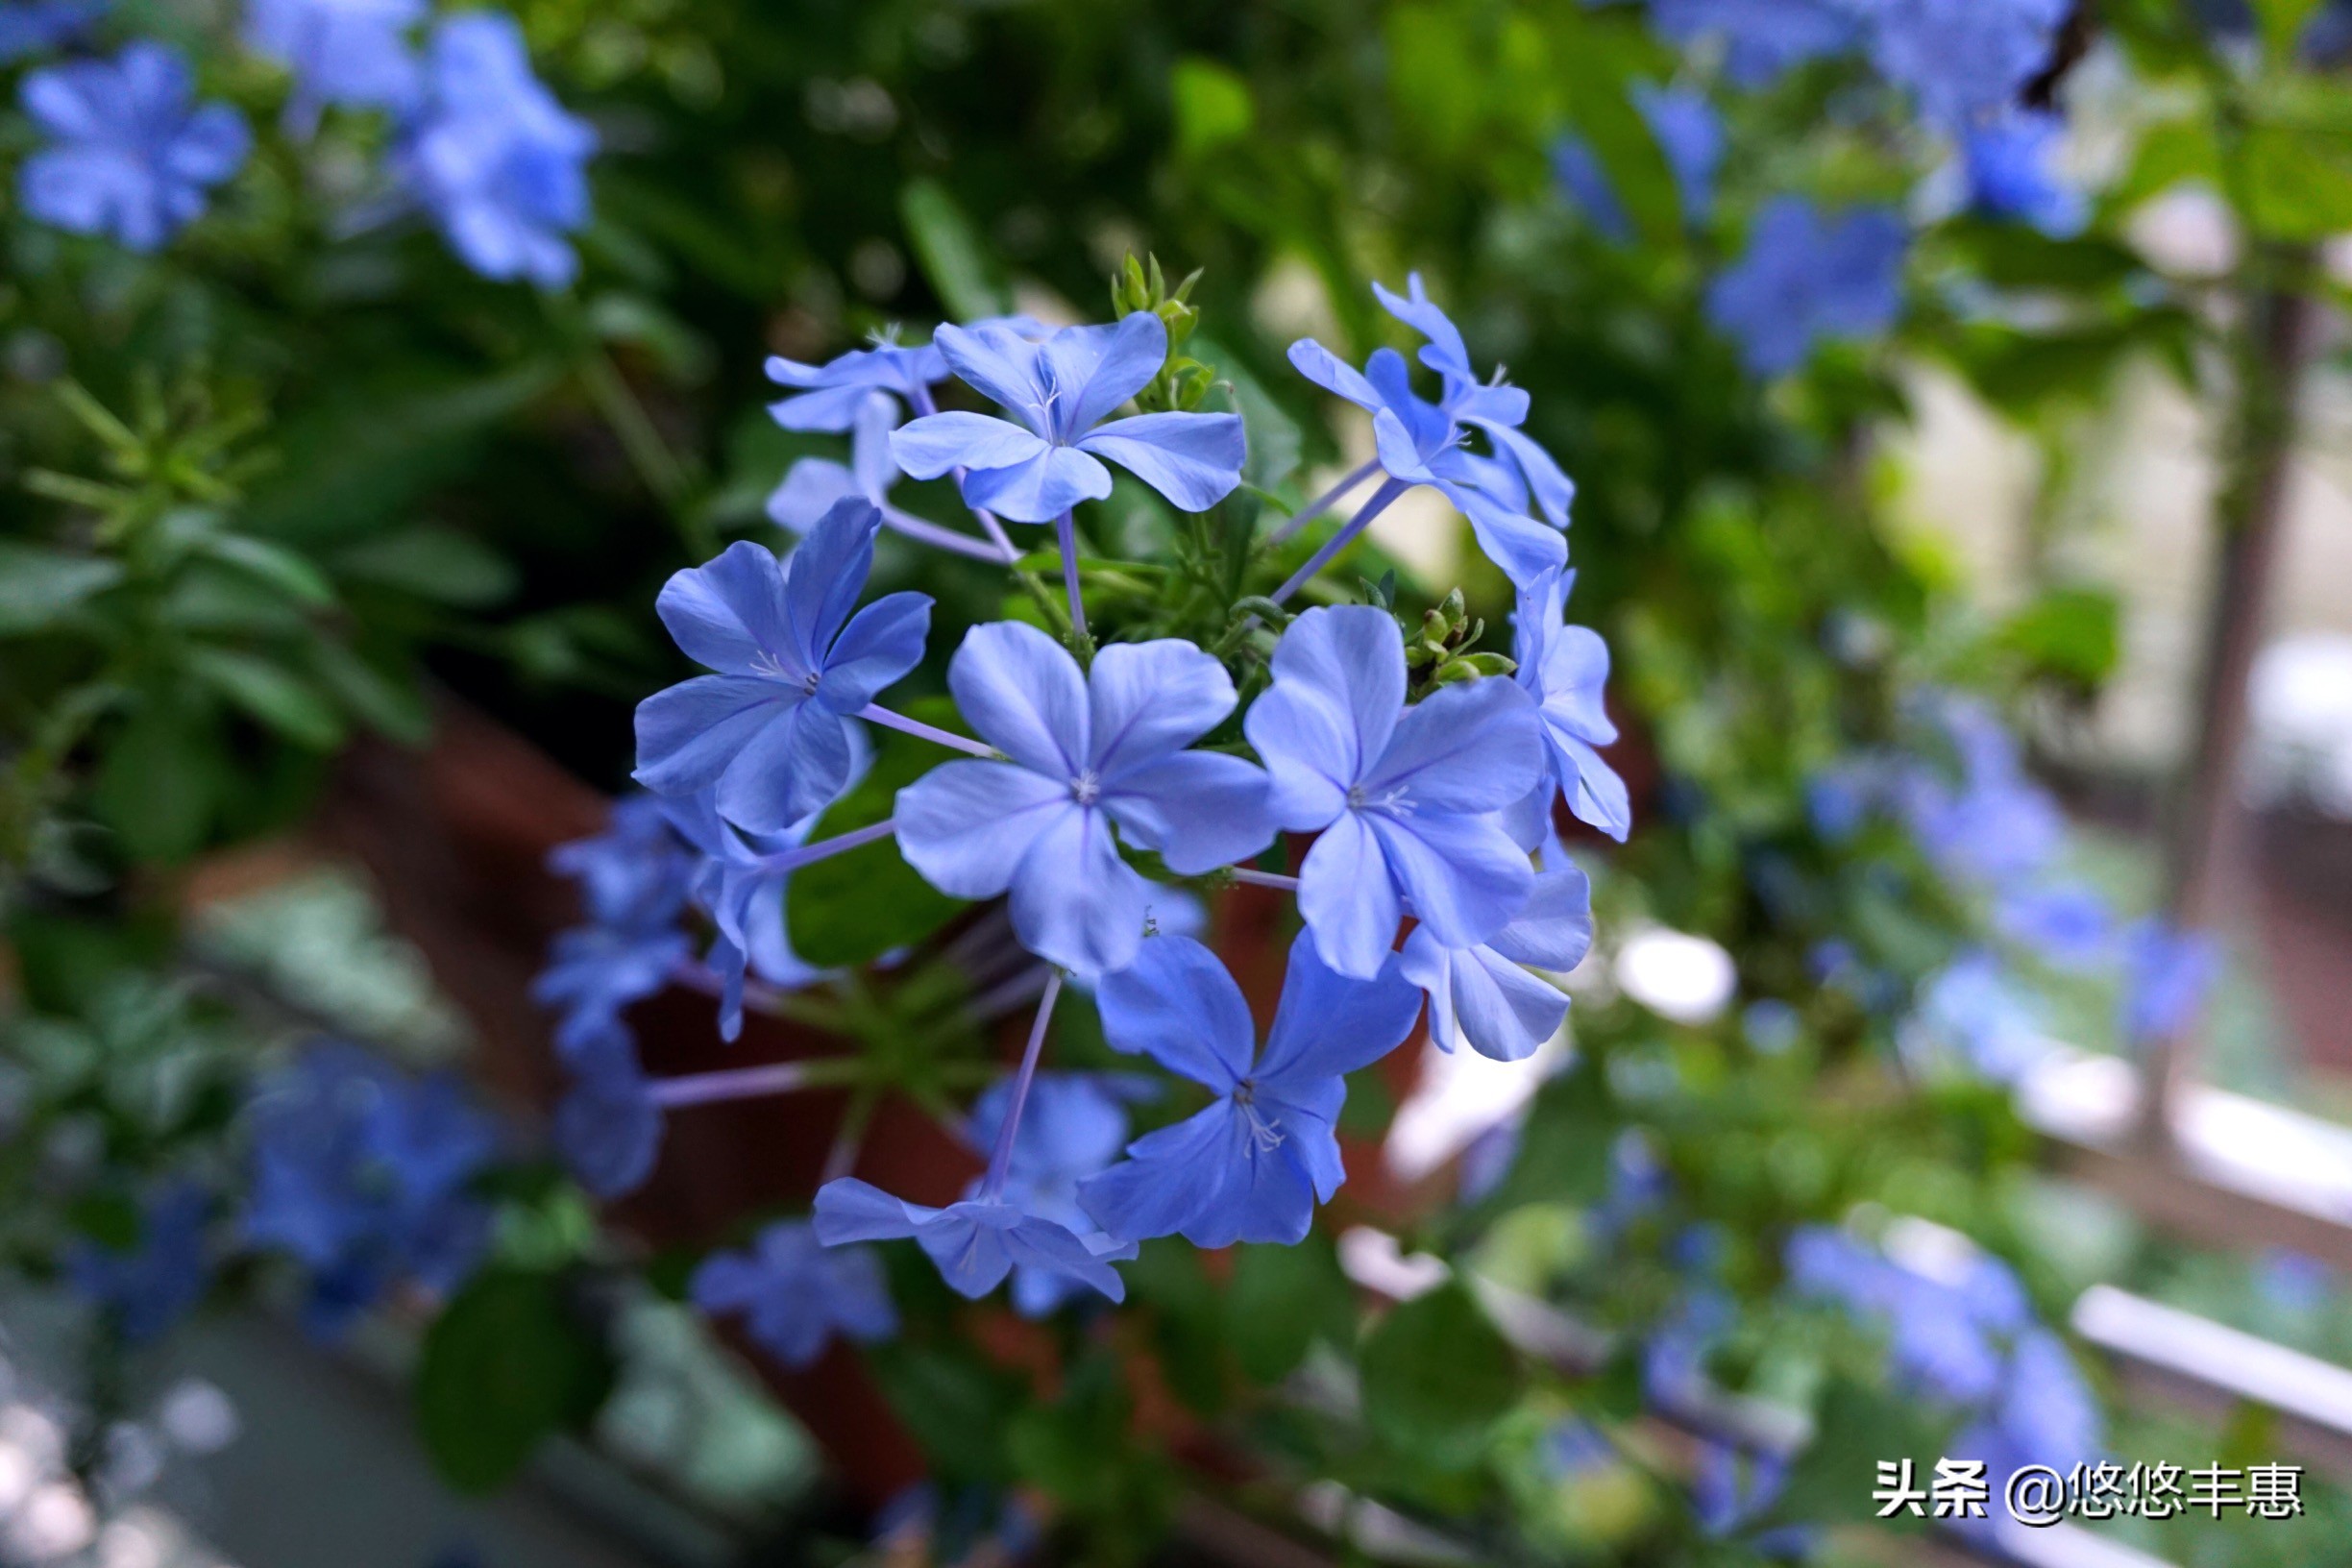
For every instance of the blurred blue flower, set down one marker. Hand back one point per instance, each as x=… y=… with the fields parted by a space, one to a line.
x=1972 y=1007
x=1254 y=1165
x=1963 y=59
x=813 y=486
x=353 y=54
x=1674 y=1357
x=606 y=1126
x=2009 y=173
x=1840 y=799
x=1771 y=1025
x=740 y=889
x=1483 y=994
x=795 y=1293
x=975 y=1244
x=1585 y=181
x=148 y=1289
x=36 y=27
x=1690 y=134
x=1997 y=826
x=1761 y=38
x=2293 y=1281
x=129 y=151
x=2063 y=923
x=2167 y=975
x=497 y=161
x=832 y=396
x=1731 y=1490
x=774 y=730
x=1404 y=797
x=1060 y=390
x=1085 y=753
x=363 y=1175
x=634 y=876
x=1564 y=669
x=1072 y=1127
x=1806 y=279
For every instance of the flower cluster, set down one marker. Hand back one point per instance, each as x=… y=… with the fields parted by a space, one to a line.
x=478 y=145
x=1093 y=783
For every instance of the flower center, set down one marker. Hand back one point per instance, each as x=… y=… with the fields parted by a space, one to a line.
x=1085 y=789
x=1265 y=1132
x=1392 y=801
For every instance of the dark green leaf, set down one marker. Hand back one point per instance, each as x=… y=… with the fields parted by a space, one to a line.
x=955 y=1405
x=431 y=562
x=1855 y=1427
x=41 y=587
x=853 y=908
x=290 y=574
x=391 y=705
x=1437 y=1376
x=2072 y=633
x=1282 y=1300
x=505 y=1366
x=160 y=782
x=268 y=693
x=951 y=253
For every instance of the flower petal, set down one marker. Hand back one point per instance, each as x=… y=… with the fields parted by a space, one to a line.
x=1198 y=810
x=1327 y=371
x=729 y=612
x=811 y=487
x=1445 y=352
x=1075 y=902
x=1170 y=1176
x=1039 y=489
x=1600 y=797
x=824 y=579
x=1178 y=1005
x=793 y=767
x=1339 y=679
x=999 y=362
x=1328 y=1026
x=1347 y=899
x=874 y=651
x=1464 y=876
x=1148 y=699
x=1193 y=459
x=1553 y=930
x=1575 y=672
x=1466 y=749
x=848 y=1210
x=932 y=445
x=1022 y=693
x=1097 y=368
x=689 y=734
x=966 y=825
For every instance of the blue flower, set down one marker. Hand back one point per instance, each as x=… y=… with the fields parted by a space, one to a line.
x=1761 y=38
x=351 y=53
x=2009 y=173
x=2066 y=923
x=1973 y=1006
x=832 y=396
x=1483 y=994
x=1585 y=181
x=1254 y=1165
x=38 y=26
x=596 y=972
x=1060 y=390
x=635 y=874
x=1840 y=799
x=1087 y=753
x=494 y=158
x=795 y=1293
x=1997 y=826
x=607 y=1127
x=1951 y=1332
x=635 y=879
x=1072 y=1127
x=739 y=887
x=1690 y=134
x=2166 y=973
x=1964 y=59
x=813 y=486
x=364 y=1177
x=773 y=730
x=1564 y=669
x=148 y=1289
x=1404 y=797
x=131 y=153
x=1804 y=279
x=975 y=1244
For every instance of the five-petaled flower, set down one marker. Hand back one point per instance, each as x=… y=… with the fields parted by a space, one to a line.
x=1805 y=278
x=1483 y=994
x=1563 y=668
x=975 y=1244
x=772 y=729
x=1060 y=390
x=1085 y=753
x=795 y=1293
x=1254 y=1165
x=131 y=154
x=352 y=53
x=829 y=397
x=1406 y=798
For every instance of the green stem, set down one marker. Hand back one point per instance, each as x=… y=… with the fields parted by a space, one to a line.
x=660 y=468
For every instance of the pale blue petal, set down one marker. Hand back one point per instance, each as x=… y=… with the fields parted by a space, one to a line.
x=1039 y=489
x=1600 y=797
x=1075 y=902
x=1098 y=368
x=968 y=1242
x=874 y=651
x=824 y=579
x=725 y=614
x=1022 y=693
x=869 y=447
x=1464 y=876
x=847 y=1210
x=1268 y=1193
x=1198 y=810
x=1351 y=658
x=1575 y=670
x=1553 y=491
x=1042 y=1244
x=1445 y=352
x=1522 y=547
x=1347 y=899
x=830 y=409
x=1177 y=1004
x=1466 y=749
x=934 y=444
x=811 y=487
x=1327 y=370
x=1310 y=753
x=1554 y=929
x=998 y=361
x=966 y=825
x=688 y=735
x=1328 y=1026
x=1148 y=699
x=1193 y=459
x=1170 y=1176
x=793 y=766
x=1484 y=1001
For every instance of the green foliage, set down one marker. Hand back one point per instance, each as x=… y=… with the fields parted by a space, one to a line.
x=506 y=1365
x=1285 y=1300
x=1437 y=1377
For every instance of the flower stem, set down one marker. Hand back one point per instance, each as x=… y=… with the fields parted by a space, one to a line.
x=874 y=713
x=849 y=1139
x=745 y=1082
x=1322 y=503
x=939 y=538
x=1066 y=532
x=840 y=844
x=1380 y=498
x=1264 y=879
x=1001 y=1160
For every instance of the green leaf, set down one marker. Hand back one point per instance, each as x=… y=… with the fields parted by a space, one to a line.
x=266 y=692
x=1437 y=1376
x=290 y=574
x=160 y=785
x=2282 y=23
x=2072 y=633
x=1282 y=1300
x=431 y=562
x=1855 y=1427
x=391 y=705
x=957 y=1407
x=950 y=251
x=1565 y=1154
x=1213 y=106
x=39 y=587
x=1275 y=443
x=2299 y=177
x=505 y=1366
x=853 y=908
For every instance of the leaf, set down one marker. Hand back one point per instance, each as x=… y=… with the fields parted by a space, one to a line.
x=290 y=574
x=853 y=908
x=39 y=587
x=391 y=705
x=1437 y=1376
x=2300 y=178
x=1282 y=1300
x=1274 y=440
x=2072 y=633
x=953 y=259
x=1565 y=1149
x=160 y=785
x=1213 y=106
x=431 y=562
x=957 y=1407
x=505 y=1366
x=269 y=693
x=1855 y=1427
x=2282 y=23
